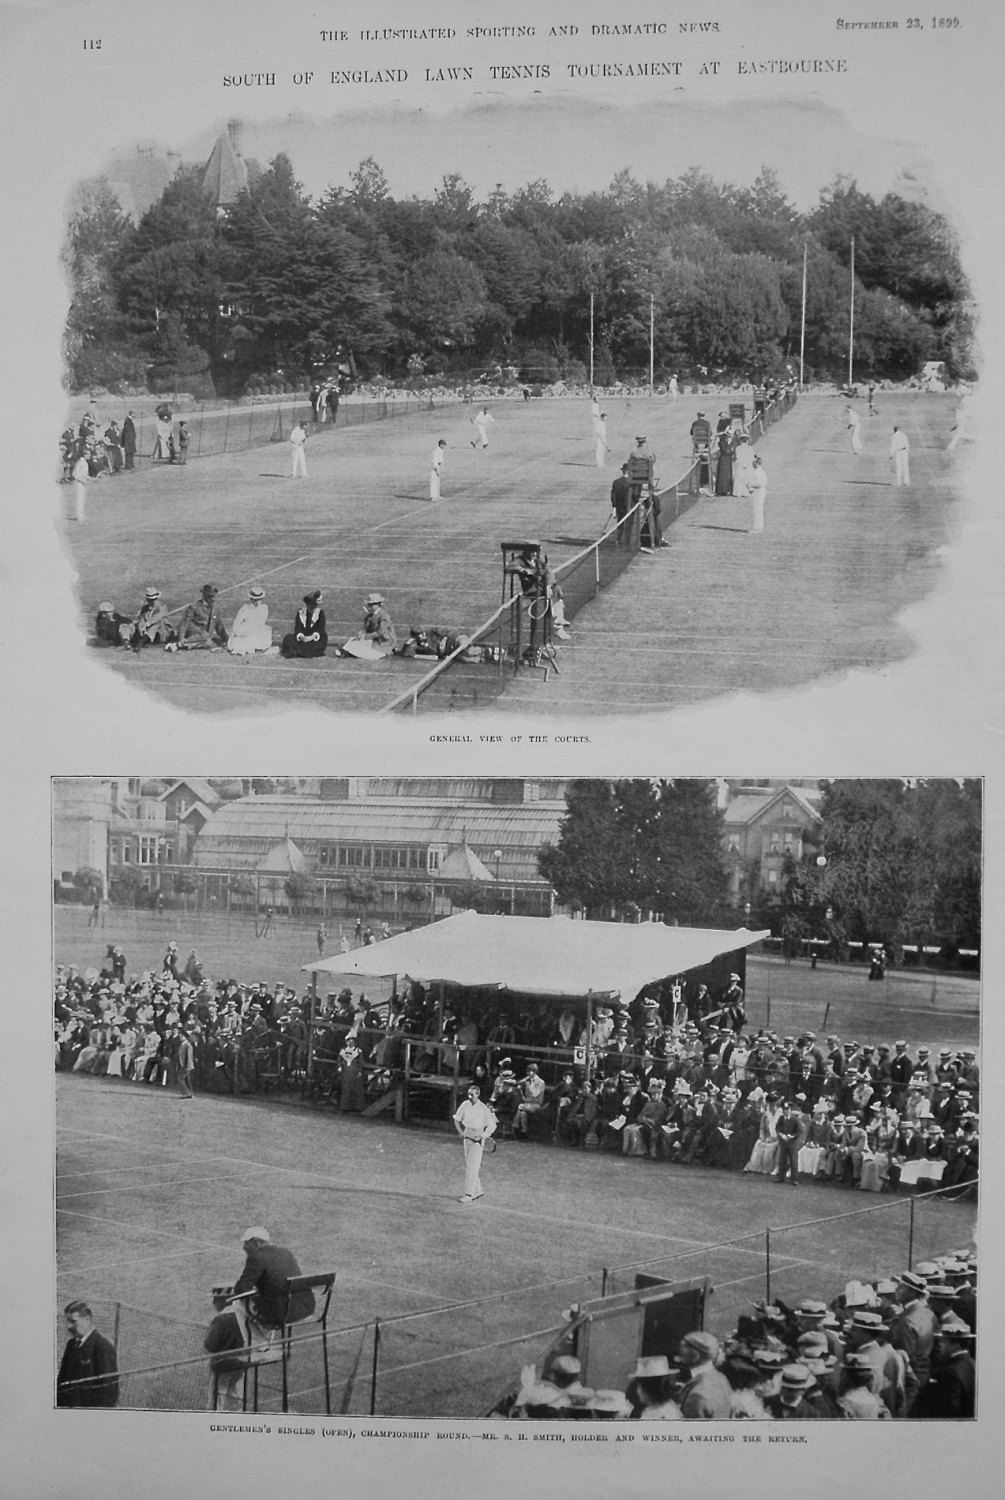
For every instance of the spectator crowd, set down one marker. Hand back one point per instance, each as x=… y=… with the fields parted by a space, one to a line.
x=900 y=1347
x=672 y=1077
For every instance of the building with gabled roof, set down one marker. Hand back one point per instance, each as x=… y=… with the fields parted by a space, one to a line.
x=413 y=849
x=763 y=825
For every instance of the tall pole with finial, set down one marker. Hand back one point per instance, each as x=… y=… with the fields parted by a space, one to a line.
x=591 y=341
x=802 y=327
x=851 y=316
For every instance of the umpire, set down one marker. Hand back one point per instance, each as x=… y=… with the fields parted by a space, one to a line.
x=267 y=1271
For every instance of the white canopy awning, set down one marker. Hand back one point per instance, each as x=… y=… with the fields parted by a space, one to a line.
x=540 y=956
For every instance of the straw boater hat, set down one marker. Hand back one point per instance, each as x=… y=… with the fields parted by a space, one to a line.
x=373 y=599
x=257 y=593
x=605 y=1404
x=151 y=593
x=796 y=1378
x=650 y=1367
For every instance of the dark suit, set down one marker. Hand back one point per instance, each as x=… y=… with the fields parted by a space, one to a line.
x=267 y=1270
x=621 y=503
x=128 y=438
x=93 y=1360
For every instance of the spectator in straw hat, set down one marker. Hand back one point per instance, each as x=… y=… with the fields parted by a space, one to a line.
x=376 y=638
x=913 y=1329
x=650 y=1390
x=150 y=626
x=791 y=1403
x=608 y=1406
x=251 y=630
x=950 y=1393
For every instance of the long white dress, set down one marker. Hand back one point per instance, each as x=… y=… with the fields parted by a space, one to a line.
x=251 y=630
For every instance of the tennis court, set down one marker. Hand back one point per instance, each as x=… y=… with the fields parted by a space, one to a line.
x=154 y=1193
x=842 y=556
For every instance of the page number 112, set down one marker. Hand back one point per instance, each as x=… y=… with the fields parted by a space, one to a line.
x=92 y=44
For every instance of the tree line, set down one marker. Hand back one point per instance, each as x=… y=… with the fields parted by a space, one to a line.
x=281 y=285
x=891 y=861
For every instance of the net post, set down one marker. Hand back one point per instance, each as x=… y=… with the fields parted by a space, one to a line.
x=767 y=1264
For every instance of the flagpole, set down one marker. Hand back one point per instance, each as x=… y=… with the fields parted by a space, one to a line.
x=802 y=329
x=591 y=341
x=851 y=316
x=651 y=346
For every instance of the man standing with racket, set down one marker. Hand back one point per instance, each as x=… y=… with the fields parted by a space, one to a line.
x=475 y=1124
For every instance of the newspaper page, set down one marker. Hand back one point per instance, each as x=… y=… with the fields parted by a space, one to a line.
x=351 y=323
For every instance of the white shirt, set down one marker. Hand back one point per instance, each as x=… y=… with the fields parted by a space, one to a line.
x=899 y=443
x=757 y=480
x=437 y=460
x=475 y=1120
x=298 y=436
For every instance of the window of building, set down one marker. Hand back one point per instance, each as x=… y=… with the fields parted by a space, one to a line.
x=776 y=843
x=772 y=877
x=148 y=850
x=127 y=853
x=733 y=843
x=435 y=856
x=167 y=853
x=353 y=857
x=390 y=859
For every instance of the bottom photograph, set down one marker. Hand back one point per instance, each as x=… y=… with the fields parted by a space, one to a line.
x=469 y=1099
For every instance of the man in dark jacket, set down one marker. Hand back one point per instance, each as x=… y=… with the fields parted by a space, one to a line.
x=127 y=438
x=621 y=503
x=267 y=1271
x=950 y=1391
x=88 y=1371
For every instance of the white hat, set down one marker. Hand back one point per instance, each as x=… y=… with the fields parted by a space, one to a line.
x=256 y=1232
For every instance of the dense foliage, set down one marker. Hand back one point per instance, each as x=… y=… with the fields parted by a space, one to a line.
x=902 y=864
x=630 y=847
x=279 y=283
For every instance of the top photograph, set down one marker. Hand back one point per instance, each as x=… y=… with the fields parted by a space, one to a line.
x=519 y=409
